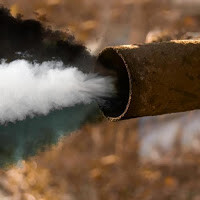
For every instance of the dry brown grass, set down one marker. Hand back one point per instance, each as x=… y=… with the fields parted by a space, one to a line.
x=101 y=162
x=93 y=163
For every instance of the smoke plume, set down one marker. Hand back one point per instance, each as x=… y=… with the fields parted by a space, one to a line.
x=29 y=89
x=43 y=71
x=38 y=43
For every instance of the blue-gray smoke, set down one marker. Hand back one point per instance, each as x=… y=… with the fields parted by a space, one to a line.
x=23 y=139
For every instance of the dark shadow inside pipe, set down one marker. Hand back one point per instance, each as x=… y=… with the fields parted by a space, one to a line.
x=111 y=64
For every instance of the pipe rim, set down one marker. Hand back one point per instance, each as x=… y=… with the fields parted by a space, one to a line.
x=126 y=68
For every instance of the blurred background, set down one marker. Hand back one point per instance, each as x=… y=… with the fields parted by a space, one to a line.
x=146 y=158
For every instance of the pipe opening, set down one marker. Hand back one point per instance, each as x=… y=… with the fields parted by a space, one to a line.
x=112 y=64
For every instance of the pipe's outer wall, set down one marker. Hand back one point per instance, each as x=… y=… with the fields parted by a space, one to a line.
x=163 y=77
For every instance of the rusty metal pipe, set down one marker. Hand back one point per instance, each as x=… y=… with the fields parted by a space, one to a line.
x=153 y=79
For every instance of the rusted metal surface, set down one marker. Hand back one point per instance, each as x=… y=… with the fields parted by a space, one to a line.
x=161 y=78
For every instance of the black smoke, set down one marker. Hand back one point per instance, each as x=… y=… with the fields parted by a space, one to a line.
x=23 y=139
x=29 y=39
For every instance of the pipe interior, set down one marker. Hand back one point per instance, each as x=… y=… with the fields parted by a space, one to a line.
x=111 y=64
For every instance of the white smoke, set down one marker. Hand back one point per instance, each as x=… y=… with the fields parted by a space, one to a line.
x=28 y=89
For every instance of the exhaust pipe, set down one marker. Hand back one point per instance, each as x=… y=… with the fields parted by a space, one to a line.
x=152 y=79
